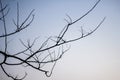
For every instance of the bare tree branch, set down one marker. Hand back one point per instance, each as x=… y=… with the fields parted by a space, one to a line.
x=4 y=24
x=46 y=53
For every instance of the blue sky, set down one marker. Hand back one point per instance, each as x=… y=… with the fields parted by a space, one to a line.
x=96 y=57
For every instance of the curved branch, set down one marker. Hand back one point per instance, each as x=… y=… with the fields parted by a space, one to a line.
x=49 y=51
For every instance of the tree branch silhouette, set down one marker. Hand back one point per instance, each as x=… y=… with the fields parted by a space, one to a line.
x=46 y=53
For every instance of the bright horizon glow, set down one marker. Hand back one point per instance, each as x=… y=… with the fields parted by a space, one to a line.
x=96 y=57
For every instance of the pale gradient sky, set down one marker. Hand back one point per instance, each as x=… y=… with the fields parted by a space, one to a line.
x=96 y=57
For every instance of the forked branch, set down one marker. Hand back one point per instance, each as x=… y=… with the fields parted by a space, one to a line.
x=46 y=53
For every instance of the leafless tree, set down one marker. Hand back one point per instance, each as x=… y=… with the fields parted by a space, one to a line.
x=46 y=53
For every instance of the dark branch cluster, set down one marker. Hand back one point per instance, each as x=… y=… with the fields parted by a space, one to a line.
x=46 y=53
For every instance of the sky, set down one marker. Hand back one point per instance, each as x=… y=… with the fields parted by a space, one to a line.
x=96 y=57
